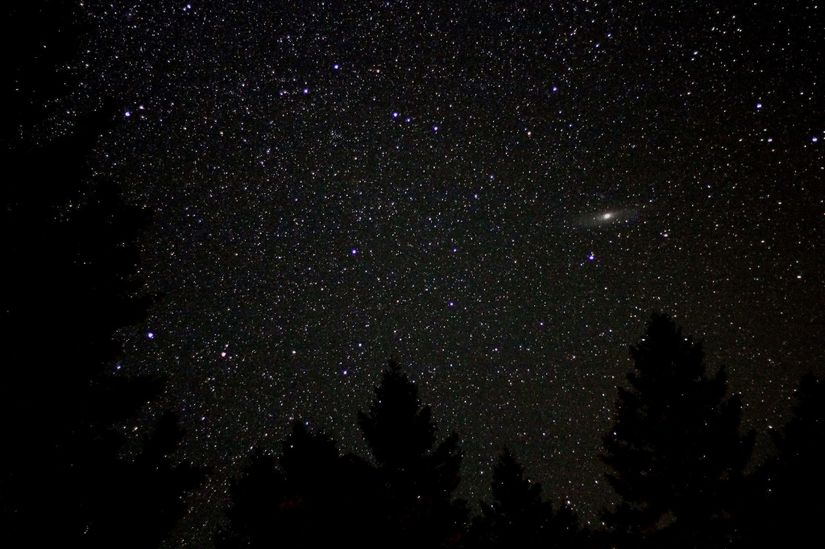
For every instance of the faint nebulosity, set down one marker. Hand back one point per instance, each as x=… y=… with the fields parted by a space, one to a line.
x=495 y=194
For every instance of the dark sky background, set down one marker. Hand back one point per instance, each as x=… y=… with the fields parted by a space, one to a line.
x=496 y=194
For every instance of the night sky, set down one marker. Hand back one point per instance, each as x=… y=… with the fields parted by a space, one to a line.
x=495 y=194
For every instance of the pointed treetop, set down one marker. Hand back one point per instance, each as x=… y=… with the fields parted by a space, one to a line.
x=663 y=352
x=397 y=427
x=511 y=489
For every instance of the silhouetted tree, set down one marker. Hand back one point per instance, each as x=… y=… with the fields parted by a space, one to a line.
x=255 y=499
x=675 y=450
x=519 y=517
x=136 y=503
x=416 y=507
x=310 y=496
x=313 y=496
x=69 y=262
x=313 y=505
x=788 y=498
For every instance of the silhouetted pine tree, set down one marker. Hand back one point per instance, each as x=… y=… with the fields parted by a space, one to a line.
x=675 y=450
x=69 y=263
x=417 y=479
x=255 y=502
x=789 y=489
x=312 y=497
x=315 y=506
x=137 y=503
x=518 y=517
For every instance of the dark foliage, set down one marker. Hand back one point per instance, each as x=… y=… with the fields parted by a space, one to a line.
x=675 y=451
x=417 y=477
x=309 y=496
x=70 y=259
x=519 y=517
x=786 y=501
x=313 y=495
x=676 y=454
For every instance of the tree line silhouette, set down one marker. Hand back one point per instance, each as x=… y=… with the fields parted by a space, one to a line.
x=680 y=465
x=677 y=459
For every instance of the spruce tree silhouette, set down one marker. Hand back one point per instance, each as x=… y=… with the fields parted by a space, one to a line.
x=518 y=517
x=789 y=489
x=416 y=507
x=675 y=450
x=313 y=496
x=70 y=259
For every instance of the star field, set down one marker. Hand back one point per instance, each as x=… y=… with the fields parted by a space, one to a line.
x=496 y=194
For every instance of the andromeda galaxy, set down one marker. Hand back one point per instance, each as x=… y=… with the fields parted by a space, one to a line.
x=605 y=218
